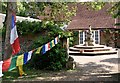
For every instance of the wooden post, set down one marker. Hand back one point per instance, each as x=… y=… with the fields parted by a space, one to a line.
x=66 y=45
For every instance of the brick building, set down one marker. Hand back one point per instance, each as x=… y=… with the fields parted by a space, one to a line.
x=102 y=25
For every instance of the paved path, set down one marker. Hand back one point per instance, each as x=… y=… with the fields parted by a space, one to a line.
x=99 y=68
x=89 y=68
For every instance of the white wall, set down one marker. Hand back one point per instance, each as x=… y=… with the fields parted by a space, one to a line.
x=18 y=18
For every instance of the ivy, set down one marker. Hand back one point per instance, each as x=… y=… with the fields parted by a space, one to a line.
x=54 y=59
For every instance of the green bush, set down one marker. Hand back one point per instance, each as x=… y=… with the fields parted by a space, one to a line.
x=54 y=59
x=27 y=27
x=74 y=38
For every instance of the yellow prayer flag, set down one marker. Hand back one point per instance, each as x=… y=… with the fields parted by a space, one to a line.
x=53 y=44
x=21 y=72
x=20 y=60
x=38 y=50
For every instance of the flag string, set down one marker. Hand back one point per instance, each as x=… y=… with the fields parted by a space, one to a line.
x=25 y=57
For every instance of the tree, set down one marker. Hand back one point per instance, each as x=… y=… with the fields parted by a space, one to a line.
x=35 y=9
x=11 y=7
x=114 y=10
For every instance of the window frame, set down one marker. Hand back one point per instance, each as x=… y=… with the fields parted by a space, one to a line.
x=94 y=37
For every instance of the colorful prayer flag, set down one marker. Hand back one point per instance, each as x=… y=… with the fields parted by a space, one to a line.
x=25 y=57
x=1 y=62
x=53 y=44
x=38 y=50
x=13 y=63
x=21 y=72
x=19 y=60
x=55 y=40
x=14 y=40
x=6 y=65
x=48 y=46
x=43 y=49
x=29 y=55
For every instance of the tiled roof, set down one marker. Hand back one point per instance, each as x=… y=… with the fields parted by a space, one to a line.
x=97 y=19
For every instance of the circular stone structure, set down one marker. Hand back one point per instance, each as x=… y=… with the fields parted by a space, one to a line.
x=91 y=49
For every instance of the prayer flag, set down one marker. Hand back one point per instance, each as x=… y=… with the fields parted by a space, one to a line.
x=14 y=40
x=48 y=46
x=25 y=57
x=55 y=40
x=13 y=63
x=43 y=49
x=1 y=62
x=38 y=50
x=21 y=72
x=29 y=55
x=6 y=65
x=53 y=44
x=19 y=60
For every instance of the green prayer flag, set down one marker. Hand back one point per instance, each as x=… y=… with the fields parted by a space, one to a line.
x=13 y=63
x=51 y=44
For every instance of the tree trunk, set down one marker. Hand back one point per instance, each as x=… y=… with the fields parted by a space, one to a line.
x=11 y=7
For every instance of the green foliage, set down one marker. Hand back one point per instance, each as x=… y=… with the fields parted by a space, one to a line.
x=48 y=27
x=2 y=32
x=4 y=7
x=58 y=11
x=115 y=9
x=54 y=59
x=34 y=9
x=94 y=5
x=74 y=38
x=27 y=27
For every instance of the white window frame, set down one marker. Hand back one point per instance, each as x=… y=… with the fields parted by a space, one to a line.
x=83 y=36
x=98 y=36
x=83 y=32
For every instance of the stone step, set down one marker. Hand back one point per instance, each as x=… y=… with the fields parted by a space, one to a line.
x=90 y=50
x=89 y=47
x=93 y=53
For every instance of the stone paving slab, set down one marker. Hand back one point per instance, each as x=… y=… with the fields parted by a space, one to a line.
x=97 y=67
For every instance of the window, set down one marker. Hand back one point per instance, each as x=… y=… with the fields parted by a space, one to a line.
x=81 y=38
x=95 y=36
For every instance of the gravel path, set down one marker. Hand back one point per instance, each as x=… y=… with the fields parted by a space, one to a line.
x=90 y=68
x=98 y=68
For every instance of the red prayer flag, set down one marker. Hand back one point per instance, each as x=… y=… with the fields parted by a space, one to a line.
x=14 y=40
x=6 y=65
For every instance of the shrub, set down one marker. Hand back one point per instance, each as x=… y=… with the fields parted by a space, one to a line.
x=54 y=59
x=74 y=38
